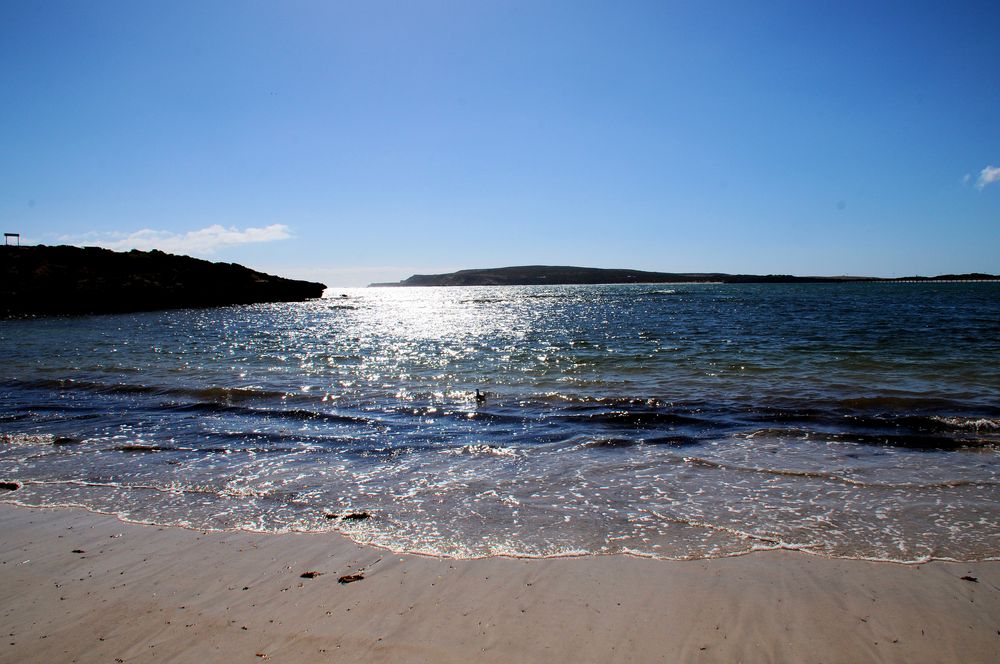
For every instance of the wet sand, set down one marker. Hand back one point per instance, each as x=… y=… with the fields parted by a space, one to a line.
x=81 y=587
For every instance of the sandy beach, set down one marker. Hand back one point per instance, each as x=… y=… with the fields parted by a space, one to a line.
x=82 y=587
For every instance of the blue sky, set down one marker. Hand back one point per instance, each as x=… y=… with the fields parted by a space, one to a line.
x=354 y=142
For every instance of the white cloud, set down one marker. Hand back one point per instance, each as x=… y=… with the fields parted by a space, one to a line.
x=988 y=175
x=202 y=241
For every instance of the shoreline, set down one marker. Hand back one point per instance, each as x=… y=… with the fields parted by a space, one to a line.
x=80 y=586
x=638 y=555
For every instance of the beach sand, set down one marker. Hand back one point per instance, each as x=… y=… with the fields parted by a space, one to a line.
x=82 y=587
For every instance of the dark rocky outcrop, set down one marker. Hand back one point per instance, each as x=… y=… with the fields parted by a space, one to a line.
x=42 y=280
x=541 y=275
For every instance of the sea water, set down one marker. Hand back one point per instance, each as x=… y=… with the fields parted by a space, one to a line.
x=679 y=422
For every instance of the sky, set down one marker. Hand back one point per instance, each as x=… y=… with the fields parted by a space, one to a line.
x=368 y=141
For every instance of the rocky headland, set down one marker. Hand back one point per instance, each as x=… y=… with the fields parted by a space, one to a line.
x=64 y=280
x=540 y=275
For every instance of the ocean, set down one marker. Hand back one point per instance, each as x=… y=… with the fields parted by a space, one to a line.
x=672 y=421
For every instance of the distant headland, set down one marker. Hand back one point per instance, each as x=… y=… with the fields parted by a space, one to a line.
x=540 y=275
x=43 y=280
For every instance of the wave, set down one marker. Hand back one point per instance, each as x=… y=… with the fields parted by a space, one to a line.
x=634 y=418
x=259 y=451
x=916 y=413
x=386 y=453
x=149 y=449
x=228 y=491
x=913 y=441
x=899 y=402
x=699 y=523
x=671 y=441
x=280 y=413
x=486 y=416
x=281 y=439
x=756 y=542
x=27 y=439
x=211 y=393
x=47 y=439
x=484 y=450
x=824 y=475
x=889 y=437
x=974 y=423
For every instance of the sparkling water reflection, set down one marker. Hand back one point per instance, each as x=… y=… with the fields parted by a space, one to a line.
x=679 y=422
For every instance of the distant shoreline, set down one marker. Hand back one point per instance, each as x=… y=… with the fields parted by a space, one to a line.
x=553 y=275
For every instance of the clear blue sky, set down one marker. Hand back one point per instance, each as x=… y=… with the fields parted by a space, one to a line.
x=365 y=141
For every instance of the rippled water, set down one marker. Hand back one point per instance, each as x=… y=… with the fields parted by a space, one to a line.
x=689 y=421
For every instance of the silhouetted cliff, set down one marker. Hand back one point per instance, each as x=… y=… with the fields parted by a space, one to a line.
x=41 y=280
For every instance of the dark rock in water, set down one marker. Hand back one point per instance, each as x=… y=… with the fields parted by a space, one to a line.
x=350 y=578
x=310 y=575
x=10 y=486
x=41 y=280
x=66 y=440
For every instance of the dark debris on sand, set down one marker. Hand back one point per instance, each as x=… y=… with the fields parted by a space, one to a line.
x=350 y=578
